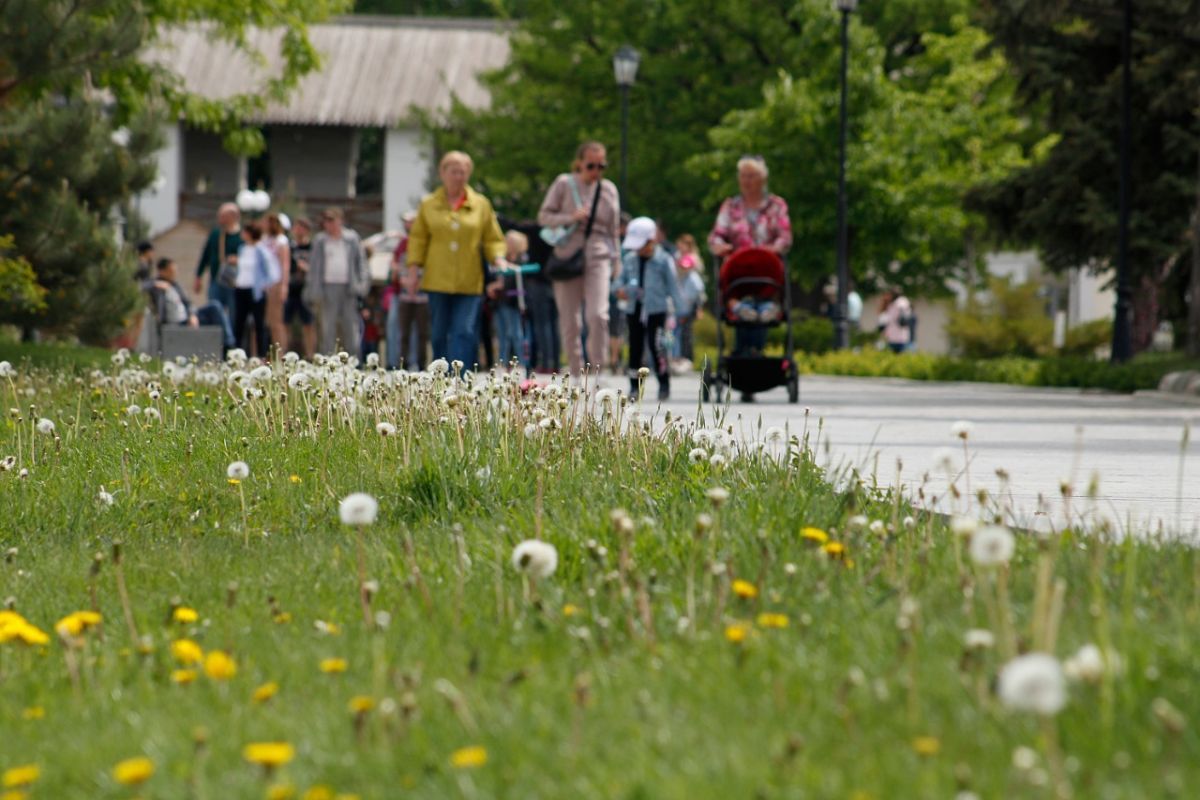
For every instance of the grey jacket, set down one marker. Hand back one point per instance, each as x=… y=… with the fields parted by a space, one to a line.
x=356 y=261
x=660 y=283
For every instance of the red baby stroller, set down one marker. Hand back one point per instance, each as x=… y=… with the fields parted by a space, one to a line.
x=758 y=273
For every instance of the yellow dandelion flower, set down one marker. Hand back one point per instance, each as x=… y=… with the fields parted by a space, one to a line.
x=333 y=666
x=265 y=692
x=76 y=623
x=318 y=792
x=834 y=549
x=233 y=481
x=361 y=704
x=186 y=652
x=769 y=620
x=133 y=771
x=927 y=746
x=282 y=618
x=189 y=394
x=25 y=633
x=745 y=589
x=294 y=478
x=814 y=535
x=14 y=794
x=183 y=676
x=570 y=610
x=281 y=791
x=33 y=712
x=23 y=775
x=737 y=632
x=185 y=615
x=269 y=754
x=219 y=666
x=469 y=757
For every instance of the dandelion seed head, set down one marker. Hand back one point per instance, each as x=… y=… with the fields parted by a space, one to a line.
x=1033 y=683
x=238 y=471
x=45 y=426
x=358 y=509
x=536 y=558
x=992 y=546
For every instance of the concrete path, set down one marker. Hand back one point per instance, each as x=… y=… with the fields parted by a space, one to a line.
x=1040 y=437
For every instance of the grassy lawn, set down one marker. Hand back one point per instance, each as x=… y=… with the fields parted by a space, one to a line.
x=53 y=355
x=775 y=638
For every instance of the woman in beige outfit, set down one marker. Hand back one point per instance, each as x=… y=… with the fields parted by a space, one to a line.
x=602 y=254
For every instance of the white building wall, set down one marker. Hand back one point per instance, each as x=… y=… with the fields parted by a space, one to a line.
x=407 y=165
x=1087 y=297
x=160 y=203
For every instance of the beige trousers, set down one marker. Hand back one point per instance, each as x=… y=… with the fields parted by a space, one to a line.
x=586 y=294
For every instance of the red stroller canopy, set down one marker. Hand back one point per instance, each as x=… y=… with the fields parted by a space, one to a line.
x=764 y=266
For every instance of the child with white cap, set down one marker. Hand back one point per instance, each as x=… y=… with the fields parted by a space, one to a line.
x=646 y=282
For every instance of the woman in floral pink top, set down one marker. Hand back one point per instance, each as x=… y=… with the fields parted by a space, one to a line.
x=753 y=218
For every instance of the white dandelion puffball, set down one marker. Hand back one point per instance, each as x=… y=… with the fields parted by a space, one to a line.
x=439 y=366
x=717 y=460
x=718 y=495
x=877 y=527
x=372 y=359
x=6 y=369
x=1033 y=683
x=945 y=458
x=606 y=397
x=45 y=426
x=385 y=429
x=1090 y=663
x=962 y=429
x=105 y=498
x=358 y=509
x=979 y=639
x=484 y=473
x=697 y=455
x=992 y=546
x=299 y=381
x=536 y=558
x=133 y=410
x=152 y=414
x=238 y=470
x=857 y=523
x=261 y=373
x=775 y=434
x=963 y=526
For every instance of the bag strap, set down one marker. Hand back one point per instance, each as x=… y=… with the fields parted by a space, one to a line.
x=595 y=205
x=220 y=251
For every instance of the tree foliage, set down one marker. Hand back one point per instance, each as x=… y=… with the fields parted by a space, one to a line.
x=1067 y=58
x=930 y=115
x=80 y=108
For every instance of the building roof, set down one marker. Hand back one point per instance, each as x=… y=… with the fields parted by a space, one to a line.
x=375 y=70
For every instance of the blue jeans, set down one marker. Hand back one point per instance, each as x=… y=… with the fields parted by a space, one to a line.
x=507 y=321
x=222 y=295
x=454 y=326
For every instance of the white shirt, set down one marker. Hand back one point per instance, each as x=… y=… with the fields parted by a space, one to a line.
x=247 y=264
x=272 y=249
x=337 y=267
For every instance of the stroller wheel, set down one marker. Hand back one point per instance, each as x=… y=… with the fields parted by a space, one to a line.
x=794 y=389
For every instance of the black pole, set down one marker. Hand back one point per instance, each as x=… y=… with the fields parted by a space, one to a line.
x=624 y=145
x=841 y=334
x=1122 y=343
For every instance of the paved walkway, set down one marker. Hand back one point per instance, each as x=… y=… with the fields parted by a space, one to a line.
x=1041 y=437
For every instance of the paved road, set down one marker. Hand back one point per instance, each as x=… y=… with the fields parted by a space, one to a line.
x=1041 y=437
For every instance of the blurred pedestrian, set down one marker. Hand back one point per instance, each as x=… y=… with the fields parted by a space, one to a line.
x=219 y=259
x=337 y=282
x=646 y=285
x=574 y=201
x=896 y=320
x=279 y=255
x=689 y=274
x=453 y=225
x=407 y=311
x=254 y=279
x=294 y=307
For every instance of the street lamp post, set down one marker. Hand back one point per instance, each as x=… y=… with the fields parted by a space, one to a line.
x=841 y=333
x=625 y=67
x=1122 y=342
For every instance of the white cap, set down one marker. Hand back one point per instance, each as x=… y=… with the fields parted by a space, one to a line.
x=639 y=231
x=285 y=221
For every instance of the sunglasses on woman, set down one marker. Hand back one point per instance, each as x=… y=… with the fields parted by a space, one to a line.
x=593 y=167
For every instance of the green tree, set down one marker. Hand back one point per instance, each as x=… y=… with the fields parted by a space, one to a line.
x=921 y=134
x=1067 y=60
x=81 y=101
x=719 y=79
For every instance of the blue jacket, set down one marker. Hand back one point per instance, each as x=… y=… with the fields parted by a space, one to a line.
x=660 y=283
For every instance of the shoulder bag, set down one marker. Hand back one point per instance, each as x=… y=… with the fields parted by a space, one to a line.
x=226 y=272
x=569 y=267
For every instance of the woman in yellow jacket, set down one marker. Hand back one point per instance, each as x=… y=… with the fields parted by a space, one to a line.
x=454 y=225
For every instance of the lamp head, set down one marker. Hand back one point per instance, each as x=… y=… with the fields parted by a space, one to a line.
x=846 y=6
x=625 y=65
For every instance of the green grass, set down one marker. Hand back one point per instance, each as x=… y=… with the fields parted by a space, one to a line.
x=53 y=355
x=632 y=695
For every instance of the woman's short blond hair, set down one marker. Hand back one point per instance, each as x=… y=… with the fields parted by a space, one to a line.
x=756 y=163
x=456 y=157
x=518 y=240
